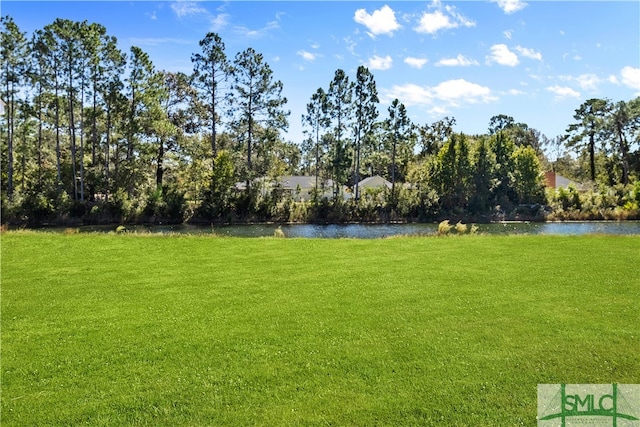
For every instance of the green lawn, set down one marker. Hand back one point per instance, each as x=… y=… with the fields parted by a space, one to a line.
x=153 y=330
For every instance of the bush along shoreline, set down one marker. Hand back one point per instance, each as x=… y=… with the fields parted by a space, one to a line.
x=617 y=203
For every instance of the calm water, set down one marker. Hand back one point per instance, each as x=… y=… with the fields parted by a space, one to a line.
x=363 y=231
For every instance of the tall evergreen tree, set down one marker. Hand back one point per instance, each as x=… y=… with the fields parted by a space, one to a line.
x=15 y=50
x=69 y=39
x=503 y=148
x=144 y=85
x=110 y=88
x=258 y=100
x=620 y=124
x=589 y=122
x=481 y=178
x=316 y=119
x=340 y=107
x=52 y=51
x=528 y=181
x=211 y=70
x=400 y=130
x=366 y=113
x=40 y=79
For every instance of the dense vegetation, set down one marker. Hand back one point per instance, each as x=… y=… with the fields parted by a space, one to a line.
x=229 y=331
x=94 y=134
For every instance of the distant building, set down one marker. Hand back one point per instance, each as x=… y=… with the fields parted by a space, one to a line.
x=298 y=187
x=375 y=181
x=553 y=180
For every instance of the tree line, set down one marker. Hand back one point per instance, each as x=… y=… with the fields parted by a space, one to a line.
x=94 y=134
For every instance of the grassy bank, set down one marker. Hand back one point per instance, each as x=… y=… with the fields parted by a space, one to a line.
x=120 y=330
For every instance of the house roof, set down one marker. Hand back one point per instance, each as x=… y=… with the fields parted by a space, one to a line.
x=294 y=181
x=375 y=181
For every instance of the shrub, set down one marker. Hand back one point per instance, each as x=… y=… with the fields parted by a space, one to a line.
x=461 y=228
x=444 y=228
x=120 y=206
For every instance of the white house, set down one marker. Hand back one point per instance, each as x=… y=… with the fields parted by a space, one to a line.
x=373 y=182
x=299 y=187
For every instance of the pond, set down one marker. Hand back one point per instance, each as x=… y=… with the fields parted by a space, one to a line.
x=371 y=231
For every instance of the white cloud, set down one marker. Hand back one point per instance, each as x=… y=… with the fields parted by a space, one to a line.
x=588 y=81
x=193 y=9
x=515 y=92
x=247 y=32
x=379 y=63
x=501 y=54
x=529 y=53
x=218 y=22
x=563 y=92
x=613 y=79
x=433 y=22
x=510 y=6
x=409 y=94
x=631 y=77
x=450 y=93
x=508 y=34
x=382 y=21
x=351 y=45
x=462 y=90
x=186 y=8
x=438 y=111
x=307 y=56
x=458 y=61
x=460 y=18
x=415 y=62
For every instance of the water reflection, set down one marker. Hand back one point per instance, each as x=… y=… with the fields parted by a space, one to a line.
x=372 y=231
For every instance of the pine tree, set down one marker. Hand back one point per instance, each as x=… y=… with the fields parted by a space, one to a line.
x=340 y=107
x=366 y=113
x=211 y=70
x=15 y=50
x=258 y=100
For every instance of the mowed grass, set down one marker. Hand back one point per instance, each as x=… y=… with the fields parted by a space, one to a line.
x=197 y=331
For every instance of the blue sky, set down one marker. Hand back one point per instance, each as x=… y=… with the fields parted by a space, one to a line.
x=536 y=61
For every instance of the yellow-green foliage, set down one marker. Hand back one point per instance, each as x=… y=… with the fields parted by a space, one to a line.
x=279 y=233
x=461 y=228
x=444 y=227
